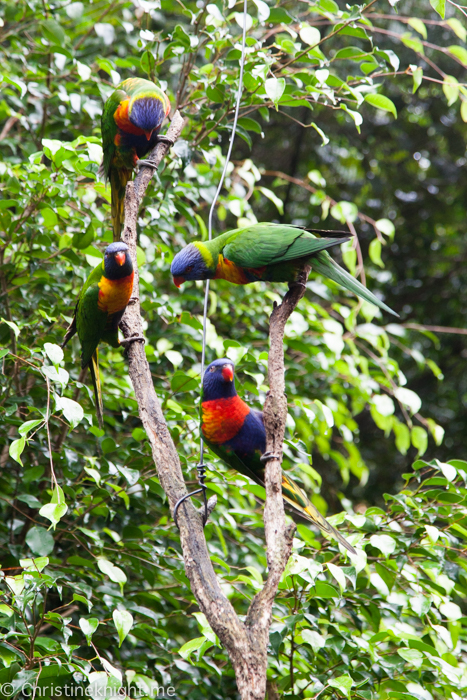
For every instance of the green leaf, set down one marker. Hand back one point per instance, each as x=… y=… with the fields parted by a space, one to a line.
x=459 y=52
x=123 y=621
x=54 y=353
x=37 y=564
x=450 y=89
x=88 y=627
x=40 y=541
x=412 y=656
x=439 y=6
x=375 y=252
x=418 y=25
x=274 y=89
x=12 y=325
x=419 y=439
x=113 y=572
x=310 y=35
x=16 y=449
x=28 y=426
x=148 y=62
x=187 y=649
x=381 y=102
x=417 y=76
x=457 y=27
x=72 y=411
x=343 y=683
x=273 y=197
x=53 y=32
x=53 y=512
x=385 y=543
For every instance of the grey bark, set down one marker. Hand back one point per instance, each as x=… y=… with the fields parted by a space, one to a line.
x=246 y=641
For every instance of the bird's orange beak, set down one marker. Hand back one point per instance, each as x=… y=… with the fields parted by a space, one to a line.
x=227 y=373
x=148 y=134
x=120 y=258
x=178 y=281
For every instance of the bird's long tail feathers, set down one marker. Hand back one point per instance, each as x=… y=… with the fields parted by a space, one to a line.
x=118 y=180
x=326 y=266
x=294 y=495
x=96 y=381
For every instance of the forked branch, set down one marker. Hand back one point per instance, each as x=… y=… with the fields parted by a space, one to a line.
x=246 y=642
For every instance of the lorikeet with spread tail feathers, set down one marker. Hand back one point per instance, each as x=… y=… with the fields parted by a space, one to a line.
x=131 y=121
x=98 y=311
x=267 y=252
x=237 y=435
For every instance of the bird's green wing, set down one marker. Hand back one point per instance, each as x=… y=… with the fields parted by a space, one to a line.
x=268 y=244
x=90 y=321
x=325 y=265
x=109 y=129
x=253 y=470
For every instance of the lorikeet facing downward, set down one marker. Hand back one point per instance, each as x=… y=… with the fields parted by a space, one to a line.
x=268 y=252
x=237 y=435
x=98 y=311
x=131 y=121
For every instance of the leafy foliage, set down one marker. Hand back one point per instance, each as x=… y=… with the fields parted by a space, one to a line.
x=95 y=586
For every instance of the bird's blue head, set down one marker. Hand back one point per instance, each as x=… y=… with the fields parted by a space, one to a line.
x=147 y=113
x=192 y=263
x=219 y=380
x=117 y=261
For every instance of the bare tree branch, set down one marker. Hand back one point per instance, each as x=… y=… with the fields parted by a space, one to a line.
x=246 y=642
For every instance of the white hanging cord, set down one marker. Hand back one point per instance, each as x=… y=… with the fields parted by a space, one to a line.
x=214 y=201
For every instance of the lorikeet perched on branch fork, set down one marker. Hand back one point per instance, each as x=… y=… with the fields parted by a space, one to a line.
x=131 y=121
x=267 y=252
x=237 y=435
x=99 y=309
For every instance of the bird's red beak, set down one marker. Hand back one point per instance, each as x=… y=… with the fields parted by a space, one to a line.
x=178 y=281
x=148 y=134
x=120 y=258
x=227 y=373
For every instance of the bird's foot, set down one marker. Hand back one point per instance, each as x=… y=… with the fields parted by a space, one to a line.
x=128 y=341
x=165 y=139
x=146 y=162
x=269 y=455
x=296 y=284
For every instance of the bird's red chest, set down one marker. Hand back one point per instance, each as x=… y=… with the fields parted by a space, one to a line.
x=114 y=295
x=223 y=418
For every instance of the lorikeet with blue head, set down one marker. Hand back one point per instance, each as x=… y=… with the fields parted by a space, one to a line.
x=131 y=121
x=269 y=253
x=236 y=434
x=99 y=309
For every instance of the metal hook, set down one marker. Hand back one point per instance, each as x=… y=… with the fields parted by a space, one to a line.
x=201 y=469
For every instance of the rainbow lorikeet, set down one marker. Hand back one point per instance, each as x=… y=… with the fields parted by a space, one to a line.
x=237 y=435
x=130 y=124
x=268 y=252
x=99 y=309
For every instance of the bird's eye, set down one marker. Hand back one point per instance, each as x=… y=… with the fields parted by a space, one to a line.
x=213 y=369
x=189 y=268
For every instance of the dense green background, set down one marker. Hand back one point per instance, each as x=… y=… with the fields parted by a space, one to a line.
x=367 y=395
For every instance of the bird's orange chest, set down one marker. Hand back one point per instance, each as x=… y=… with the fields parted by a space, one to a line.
x=223 y=418
x=114 y=295
x=227 y=270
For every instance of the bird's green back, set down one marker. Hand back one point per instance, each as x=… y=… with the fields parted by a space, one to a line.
x=268 y=244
